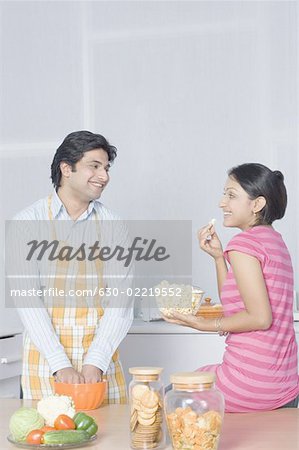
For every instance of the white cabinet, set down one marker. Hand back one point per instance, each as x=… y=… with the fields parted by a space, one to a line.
x=10 y=366
x=172 y=347
x=173 y=352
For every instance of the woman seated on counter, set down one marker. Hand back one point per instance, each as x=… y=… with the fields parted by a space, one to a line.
x=259 y=369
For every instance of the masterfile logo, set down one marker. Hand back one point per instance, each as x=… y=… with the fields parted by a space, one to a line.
x=131 y=257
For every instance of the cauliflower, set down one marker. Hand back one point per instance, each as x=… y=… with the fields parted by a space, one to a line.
x=54 y=405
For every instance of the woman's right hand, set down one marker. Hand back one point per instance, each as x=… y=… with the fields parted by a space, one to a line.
x=209 y=241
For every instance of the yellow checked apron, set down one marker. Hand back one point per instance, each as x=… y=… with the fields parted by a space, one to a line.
x=75 y=328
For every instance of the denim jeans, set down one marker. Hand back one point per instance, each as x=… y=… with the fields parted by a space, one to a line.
x=291 y=404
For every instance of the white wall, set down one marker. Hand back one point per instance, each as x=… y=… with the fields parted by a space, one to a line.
x=185 y=90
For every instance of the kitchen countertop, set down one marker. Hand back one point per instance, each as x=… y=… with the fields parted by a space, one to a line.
x=139 y=326
x=10 y=331
x=273 y=430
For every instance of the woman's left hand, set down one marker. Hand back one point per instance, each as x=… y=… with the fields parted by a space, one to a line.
x=187 y=320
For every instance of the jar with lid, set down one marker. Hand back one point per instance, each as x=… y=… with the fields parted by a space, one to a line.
x=194 y=411
x=147 y=424
x=209 y=310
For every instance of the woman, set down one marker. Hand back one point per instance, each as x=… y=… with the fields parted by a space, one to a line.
x=259 y=369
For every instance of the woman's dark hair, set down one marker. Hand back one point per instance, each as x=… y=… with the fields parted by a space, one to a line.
x=73 y=148
x=258 y=180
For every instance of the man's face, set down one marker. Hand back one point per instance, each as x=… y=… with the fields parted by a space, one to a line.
x=90 y=176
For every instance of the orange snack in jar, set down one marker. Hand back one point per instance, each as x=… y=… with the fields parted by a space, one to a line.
x=198 y=425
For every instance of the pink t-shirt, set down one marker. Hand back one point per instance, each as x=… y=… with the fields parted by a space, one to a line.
x=259 y=369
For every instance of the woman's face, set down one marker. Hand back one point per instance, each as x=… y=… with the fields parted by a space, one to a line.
x=237 y=207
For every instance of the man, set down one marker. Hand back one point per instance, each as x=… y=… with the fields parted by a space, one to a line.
x=76 y=344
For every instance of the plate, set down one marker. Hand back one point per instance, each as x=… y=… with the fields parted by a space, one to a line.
x=51 y=446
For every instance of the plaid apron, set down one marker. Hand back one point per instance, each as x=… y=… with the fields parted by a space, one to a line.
x=75 y=328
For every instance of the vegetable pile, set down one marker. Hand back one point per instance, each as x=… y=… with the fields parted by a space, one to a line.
x=54 y=405
x=50 y=425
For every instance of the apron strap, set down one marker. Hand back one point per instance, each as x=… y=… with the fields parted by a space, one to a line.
x=50 y=214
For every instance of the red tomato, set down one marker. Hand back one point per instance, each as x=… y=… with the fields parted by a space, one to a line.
x=46 y=428
x=64 y=422
x=35 y=437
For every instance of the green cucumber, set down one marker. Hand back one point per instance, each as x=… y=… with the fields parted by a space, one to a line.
x=65 y=437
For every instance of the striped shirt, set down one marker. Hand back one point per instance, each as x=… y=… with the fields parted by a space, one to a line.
x=116 y=321
x=259 y=369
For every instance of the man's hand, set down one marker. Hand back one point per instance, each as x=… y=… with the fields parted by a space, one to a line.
x=68 y=375
x=91 y=374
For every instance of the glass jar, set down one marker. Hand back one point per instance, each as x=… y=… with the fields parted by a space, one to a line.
x=147 y=424
x=209 y=309
x=194 y=411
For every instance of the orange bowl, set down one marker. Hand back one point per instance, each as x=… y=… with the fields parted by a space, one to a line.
x=85 y=395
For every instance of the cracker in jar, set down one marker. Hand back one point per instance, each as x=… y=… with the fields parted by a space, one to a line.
x=146 y=432
x=137 y=405
x=213 y=421
x=139 y=390
x=189 y=418
x=145 y=415
x=133 y=420
x=149 y=400
x=209 y=442
x=146 y=421
x=191 y=430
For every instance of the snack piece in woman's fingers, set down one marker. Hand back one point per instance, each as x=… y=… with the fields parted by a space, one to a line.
x=211 y=224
